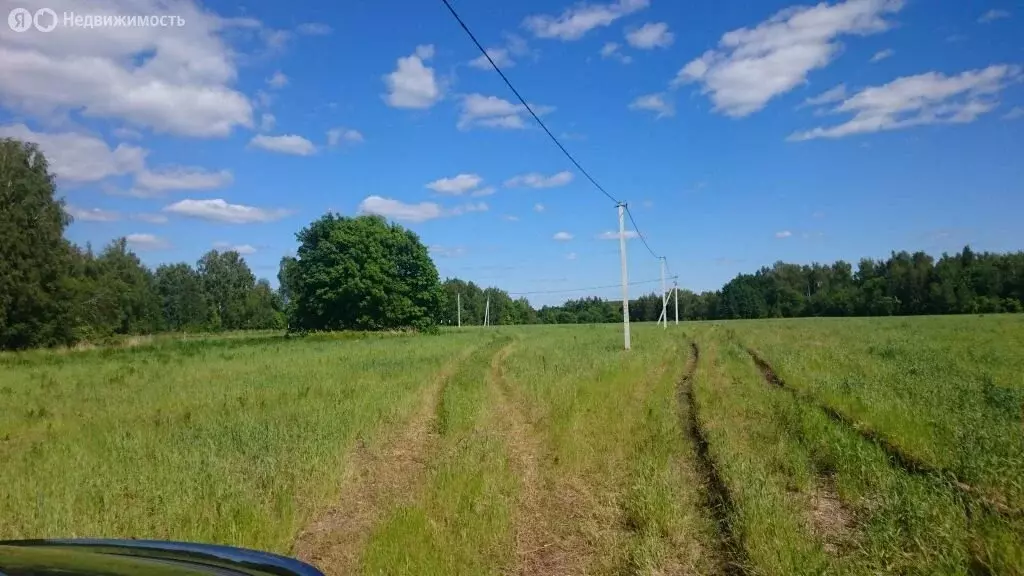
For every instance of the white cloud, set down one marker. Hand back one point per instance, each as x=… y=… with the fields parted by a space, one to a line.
x=485 y=191
x=264 y=99
x=470 y=207
x=930 y=98
x=177 y=81
x=562 y=236
x=753 y=65
x=1015 y=113
x=456 y=185
x=651 y=35
x=91 y=214
x=150 y=218
x=149 y=183
x=412 y=84
x=243 y=249
x=278 y=80
x=313 y=29
x=535 y=180
x=538 y=207
x=398 y=210
x=993 y=15
x=827 y=97
x=654 y=103
x=500 y=56
x=494 y=112
x=445 y=252
x=511 y=218
x=576 y=21
x=882 y=55
x=78 y=157
x=628 y=234
x=146 y=242
x=339 y=134
x=286 y=144
x=783 y=234
x=220 y=211
x=267 y=122
x=611 y=50
x=570 y=256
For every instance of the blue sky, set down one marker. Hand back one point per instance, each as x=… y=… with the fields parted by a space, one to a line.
x=740 y=133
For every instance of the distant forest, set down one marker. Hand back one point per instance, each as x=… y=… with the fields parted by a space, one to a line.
x=363 y=273
x=903 y=284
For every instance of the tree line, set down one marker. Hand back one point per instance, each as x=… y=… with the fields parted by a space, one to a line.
x=55 y=293
x=364 y=273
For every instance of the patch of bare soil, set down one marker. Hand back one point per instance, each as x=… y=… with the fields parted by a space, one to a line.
x=375 y=481
x=831 y=521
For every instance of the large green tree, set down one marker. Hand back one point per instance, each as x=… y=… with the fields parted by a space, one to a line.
x=226 y=281
x=184 y=304
x=363 y=273
x=34 y=257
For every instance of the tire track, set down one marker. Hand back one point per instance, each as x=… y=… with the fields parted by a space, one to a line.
x=716 y=495
x=538 y=550
x=374 y=482
x=895 y=454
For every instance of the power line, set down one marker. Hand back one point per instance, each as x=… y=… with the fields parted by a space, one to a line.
x=639 y=233
x=582 y=289
x=528 y=107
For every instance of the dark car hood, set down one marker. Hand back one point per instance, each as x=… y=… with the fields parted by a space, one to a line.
x=133 y=557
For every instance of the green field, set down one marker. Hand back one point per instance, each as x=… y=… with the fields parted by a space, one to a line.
x=814 y=446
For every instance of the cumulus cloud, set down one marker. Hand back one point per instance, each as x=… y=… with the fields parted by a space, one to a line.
x=654 y=103
x=575 y=22
x=931 y=98
x=485 y=191
x=413 y=84
x=340 y=134
x=180 y=178
x=570 y=256
x=218 y=210
x=628 y=235
x=753 y=65
x=91 y=214
x=827 y=97
x=500 y=56
x=538 y=207
x=278 y=80
x=267 y=122
x=243 y=249
x=611 y=50
x=1015 y=113
x=536 y=180
x=146 y=242
x=456 y=185
x=79 y=157
x=286 y=144
x=783 y=234
x=178 y=81
x=651 y=35
x=882 y=55
x=993 y=15
x=420 y=212
x=562 y=236
x=494 y=112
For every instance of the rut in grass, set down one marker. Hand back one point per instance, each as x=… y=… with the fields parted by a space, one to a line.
x=896 y=455
x=716 y=496
x=538 y=550
x=375 y=481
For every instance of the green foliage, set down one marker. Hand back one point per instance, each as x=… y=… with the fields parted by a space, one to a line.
x=33 y=252
x=363 y=274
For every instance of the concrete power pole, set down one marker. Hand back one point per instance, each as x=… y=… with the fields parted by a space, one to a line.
x=664 y=295
x=487 y=311
x=625 y=275
x=458 y=298
x=675 y=292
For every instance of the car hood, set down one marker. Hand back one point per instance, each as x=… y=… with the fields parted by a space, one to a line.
x=134 y=557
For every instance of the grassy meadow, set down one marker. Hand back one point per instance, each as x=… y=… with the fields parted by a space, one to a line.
x=858 y=446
